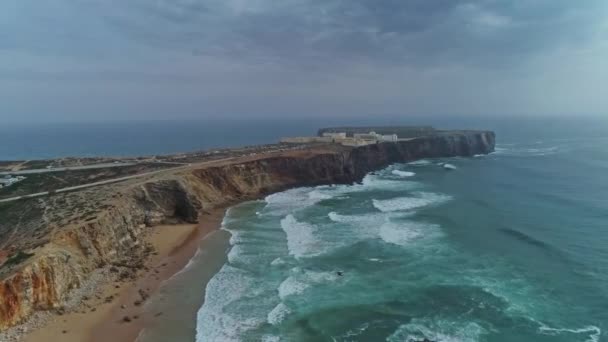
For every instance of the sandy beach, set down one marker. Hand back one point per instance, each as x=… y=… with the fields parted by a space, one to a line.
x=118 y=312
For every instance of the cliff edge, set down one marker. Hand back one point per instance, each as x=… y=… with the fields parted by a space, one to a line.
x=61 y=251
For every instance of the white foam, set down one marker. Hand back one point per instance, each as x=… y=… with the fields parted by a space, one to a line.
x=317 y=195
x=522 y=151
x=236 y=236
x=292 y=286
x=367 y=219
x=420 y=162
x=215 y=322
x=278 y=262
x=355 y=332
x=189 y=265
x=403 y=173
x=420 y=199
x=235 y=254
x=375 y=182
x=227 y=218
x=398 y=234
x=449 y=166
x=283 y=203
x=278 y=314
x=271 y=338
x=301 y=280
x=438 y=330
x=592 y=331
x=301 y=240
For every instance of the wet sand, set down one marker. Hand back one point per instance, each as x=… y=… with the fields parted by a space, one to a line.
x=101 y=319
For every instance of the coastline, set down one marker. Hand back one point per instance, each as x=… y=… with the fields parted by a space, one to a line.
x=178 y=196
x=102 y=317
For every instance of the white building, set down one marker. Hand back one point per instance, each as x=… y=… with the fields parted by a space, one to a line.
x=388 y=137
x=8 y=180
x=376 y=137
x=366 y=136
x=335 y=135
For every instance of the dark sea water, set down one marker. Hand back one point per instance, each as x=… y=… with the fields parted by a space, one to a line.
x=137 y=138
x=507 y=247
x=41 y=141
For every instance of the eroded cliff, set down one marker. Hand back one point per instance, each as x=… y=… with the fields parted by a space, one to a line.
x=111 y=232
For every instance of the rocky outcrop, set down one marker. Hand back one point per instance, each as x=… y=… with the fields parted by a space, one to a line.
x=114 y=235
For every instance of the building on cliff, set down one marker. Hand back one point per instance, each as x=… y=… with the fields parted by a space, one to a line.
x=358 y=139
x=65 y=260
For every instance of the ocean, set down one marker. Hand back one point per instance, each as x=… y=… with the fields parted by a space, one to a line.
x=512 y=246
x=139 y=138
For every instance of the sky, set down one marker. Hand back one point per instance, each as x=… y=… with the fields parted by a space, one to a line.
x=95 y=60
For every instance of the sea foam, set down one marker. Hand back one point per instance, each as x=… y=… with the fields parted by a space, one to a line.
x=301 y=280
x=398 y=234
x=278 y=314
x=420 y=199
x=403 y=173
x=289 y=201
x=214 y=321
x=301 y=240
x=437 y=330
x=592 y=332
x=420 y=162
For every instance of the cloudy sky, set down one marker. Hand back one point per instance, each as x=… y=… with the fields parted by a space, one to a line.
x=138 y=59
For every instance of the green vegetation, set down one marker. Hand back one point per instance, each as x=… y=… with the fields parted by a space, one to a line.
x=6 y=210
x=52 y=181
x=17 y=258
x=36 y=164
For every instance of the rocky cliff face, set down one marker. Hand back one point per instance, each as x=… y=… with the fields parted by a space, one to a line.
x=114 y=235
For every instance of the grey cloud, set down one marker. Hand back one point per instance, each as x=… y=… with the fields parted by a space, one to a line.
x=328 y=56
x=398 y=32
x=320 y=32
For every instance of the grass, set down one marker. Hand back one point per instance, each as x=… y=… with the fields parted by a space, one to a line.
x=56 y=180
x=16 y=259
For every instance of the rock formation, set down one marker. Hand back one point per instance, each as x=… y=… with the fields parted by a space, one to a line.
x=113 y=235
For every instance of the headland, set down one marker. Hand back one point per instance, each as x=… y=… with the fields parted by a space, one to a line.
x=82 y=248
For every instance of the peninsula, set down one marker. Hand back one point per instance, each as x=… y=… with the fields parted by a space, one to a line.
x=65 y=235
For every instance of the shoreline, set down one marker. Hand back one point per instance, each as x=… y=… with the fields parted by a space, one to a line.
x=121 y=214
x=102 y=316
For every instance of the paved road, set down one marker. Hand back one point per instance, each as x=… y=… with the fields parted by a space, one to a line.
x=89 y=185
x=84 y=167
x=116 y=180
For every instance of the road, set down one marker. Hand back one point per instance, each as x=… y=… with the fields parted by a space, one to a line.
x=121 y=179
x=72 y=168
x=88 y=185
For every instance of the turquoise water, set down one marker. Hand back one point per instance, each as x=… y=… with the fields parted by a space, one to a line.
x=507 y=247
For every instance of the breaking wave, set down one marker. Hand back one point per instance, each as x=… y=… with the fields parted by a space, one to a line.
x=278 y=314
x=513 y=151
x=293 y=200
x=398 y=234
x=437 y=330
x=300 y=280
x=420 y=199
x=592 y=332
x=215 y=321
x=403 y=173
x=301 y=240
x=420 y=162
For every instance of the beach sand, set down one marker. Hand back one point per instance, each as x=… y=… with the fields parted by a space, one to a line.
x=101 y=319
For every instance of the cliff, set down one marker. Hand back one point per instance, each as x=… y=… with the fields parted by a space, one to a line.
x=111 y=232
